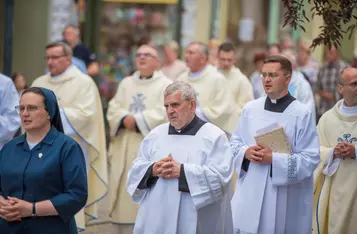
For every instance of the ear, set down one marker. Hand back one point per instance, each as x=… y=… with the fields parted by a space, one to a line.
x=340 y=89
x=193 y=105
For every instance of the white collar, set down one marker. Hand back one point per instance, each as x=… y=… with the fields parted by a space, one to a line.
x=348 y=110
x=62 y=74
x=194 y=75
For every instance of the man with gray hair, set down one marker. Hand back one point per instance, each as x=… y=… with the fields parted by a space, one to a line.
x=182 y=172
x=215 y=103
x=82 y=117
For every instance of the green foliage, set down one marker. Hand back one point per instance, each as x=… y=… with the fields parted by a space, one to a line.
x=335 y=14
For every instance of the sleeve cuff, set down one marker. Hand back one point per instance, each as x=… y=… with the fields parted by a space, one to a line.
x=148 y=180
x=183 y=186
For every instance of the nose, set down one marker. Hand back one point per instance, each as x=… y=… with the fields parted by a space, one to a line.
x=170 y=110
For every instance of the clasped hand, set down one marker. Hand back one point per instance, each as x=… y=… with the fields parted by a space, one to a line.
x=344 y=150
x=259 y=154
x=13 y=209
x=166 y=168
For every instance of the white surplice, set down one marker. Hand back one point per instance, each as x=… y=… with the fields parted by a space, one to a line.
x=281 y=203
x=9 y=118
x=207 y=159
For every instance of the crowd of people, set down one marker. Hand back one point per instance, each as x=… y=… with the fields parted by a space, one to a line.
x=183 y=155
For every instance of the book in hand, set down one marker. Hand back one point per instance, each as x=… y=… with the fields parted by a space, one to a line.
x=276 y=140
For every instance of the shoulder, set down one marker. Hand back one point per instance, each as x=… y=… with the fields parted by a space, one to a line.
x=163 y=80
x=80 y=47
x=331 y=113
x=158 y=131
x=212 y=131
x=255 y=104
x=183 y=76
x=298 y=110
x=126 y=81
x=39 y=80
x=5 y=79
x=67 y=143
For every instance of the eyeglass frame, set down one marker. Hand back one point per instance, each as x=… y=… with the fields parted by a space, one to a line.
x=146 y=55
x=55 y=57
x=35 y=108
x=269 y=74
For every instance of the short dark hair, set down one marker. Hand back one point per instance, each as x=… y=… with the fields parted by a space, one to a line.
x=38 y=91
x=226 y=47
x=285 y=63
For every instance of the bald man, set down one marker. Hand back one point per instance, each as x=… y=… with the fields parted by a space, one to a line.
x=80 y=51
x=335 y=178
x=136 y=109
x=215 y=103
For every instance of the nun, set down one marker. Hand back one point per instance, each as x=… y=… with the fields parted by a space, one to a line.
x=43 y=181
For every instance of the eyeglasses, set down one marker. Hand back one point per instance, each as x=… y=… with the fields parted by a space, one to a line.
x=29 y=108
x=270 y=75
x=146 y=55
x=55 y=57
x=226 y=60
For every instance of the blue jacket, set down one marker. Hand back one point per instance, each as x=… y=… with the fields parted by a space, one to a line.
x=54 y=170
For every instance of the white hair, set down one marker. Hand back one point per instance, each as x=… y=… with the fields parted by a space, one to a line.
x=173 y=45
x=203 y=48
x=186 y=90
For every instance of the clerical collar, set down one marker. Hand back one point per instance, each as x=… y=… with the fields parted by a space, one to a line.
x=194 y=75
x=278 y=105
x=146 y=77
x=61 y=75
x=348 y=110
x=191 y=129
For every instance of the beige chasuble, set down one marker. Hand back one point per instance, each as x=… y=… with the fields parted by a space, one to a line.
x=240 y=86
x=78 y=96
x=335 y=193
x=214 y=98
x=143 y=99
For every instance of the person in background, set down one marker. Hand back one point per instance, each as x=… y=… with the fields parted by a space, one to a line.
x=72 y=36
x=335 y=178
x=274 y=49
x=82 y=116
x=306 y=64
x=214 y=98
x=213 y=45
x=172 y=67
x=255 y=78
x=133 y=112
x=20 y=82
x=239 y=84
x=327 y=80
x=9 y=118
x=48 y=185
x=299 y=87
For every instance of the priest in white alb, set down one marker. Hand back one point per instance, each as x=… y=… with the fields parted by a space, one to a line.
x=215 y=103
x=274 y=192
x=181 y=176
x=82 y=118
x=335 y=178
x=239 y=84
x=9 y=118
x=134 y=111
